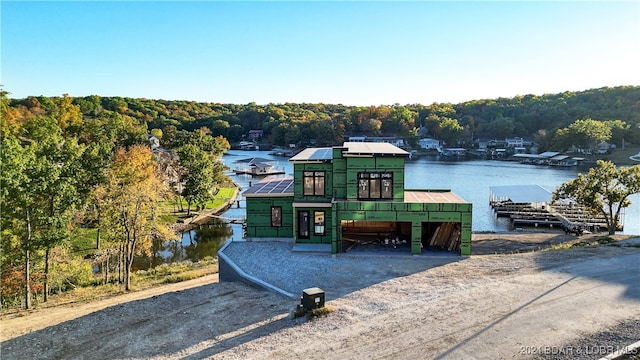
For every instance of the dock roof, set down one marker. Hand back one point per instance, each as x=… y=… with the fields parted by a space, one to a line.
x=521 y=194
x=254 y=161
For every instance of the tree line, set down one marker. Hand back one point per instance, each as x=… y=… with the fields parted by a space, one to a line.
x=530 y=116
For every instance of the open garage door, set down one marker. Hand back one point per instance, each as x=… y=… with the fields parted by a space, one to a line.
x=441 y=236
x=376 y=235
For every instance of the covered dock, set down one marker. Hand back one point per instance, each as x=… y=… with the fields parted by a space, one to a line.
x=532 y=206
x=257 y=167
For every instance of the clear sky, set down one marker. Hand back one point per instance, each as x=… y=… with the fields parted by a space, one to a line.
x=352 y=53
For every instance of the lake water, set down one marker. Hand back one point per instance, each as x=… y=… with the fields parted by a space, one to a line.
x=470 y=180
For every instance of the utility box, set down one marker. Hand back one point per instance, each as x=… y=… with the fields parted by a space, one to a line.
x=312 y=298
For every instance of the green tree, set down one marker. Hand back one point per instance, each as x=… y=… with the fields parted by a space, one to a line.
x=604 y=190
x=399 y=122
x=198 y=175
x=19 y=175
x=584 y=134
x=45 y=193
x=450 y=131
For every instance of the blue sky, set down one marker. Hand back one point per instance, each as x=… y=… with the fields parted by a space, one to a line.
x=352 y=53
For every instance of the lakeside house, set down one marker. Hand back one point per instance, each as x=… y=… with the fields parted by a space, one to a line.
x=344 y=196
x=429 y=143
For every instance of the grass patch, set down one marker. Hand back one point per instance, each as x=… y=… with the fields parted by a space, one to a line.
x=83 y=240
x=169 y=211
x=326 y=310
x=177 y=272
x=605 y=240
x=621 y=157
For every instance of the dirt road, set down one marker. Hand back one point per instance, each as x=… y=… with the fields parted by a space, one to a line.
x=493 y=306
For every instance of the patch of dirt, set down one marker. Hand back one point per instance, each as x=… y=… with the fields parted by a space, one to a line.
x=490 y=306
x=525 y=241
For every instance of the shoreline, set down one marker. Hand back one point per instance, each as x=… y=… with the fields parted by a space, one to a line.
x=204 y=216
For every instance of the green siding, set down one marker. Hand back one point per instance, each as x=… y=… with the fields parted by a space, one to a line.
x=298 y=173
x=259 y=217
x=381 y=215
x=438 y=216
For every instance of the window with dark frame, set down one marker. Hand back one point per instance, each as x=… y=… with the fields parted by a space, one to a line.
x=313 y=183
x=318 y=223
x=375 y=185
x=276 y=216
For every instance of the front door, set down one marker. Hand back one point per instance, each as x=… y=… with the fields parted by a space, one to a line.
x=303 y=224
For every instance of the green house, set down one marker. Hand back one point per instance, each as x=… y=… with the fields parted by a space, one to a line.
x=352 y=195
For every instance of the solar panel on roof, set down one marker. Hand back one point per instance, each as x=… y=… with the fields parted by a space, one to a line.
x=314 y=154
x=272 y=186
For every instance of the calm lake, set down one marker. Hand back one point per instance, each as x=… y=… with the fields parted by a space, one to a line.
x=470 y=179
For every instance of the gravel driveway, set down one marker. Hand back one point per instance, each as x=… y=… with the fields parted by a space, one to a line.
x=393 y=306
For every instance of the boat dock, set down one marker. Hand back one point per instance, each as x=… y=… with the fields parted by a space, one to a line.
x=531 y=206
x=257 y=167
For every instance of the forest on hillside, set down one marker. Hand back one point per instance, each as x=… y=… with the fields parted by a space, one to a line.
x=533 y=117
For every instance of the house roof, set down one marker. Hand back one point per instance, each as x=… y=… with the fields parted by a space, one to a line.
x=434 y=197
x=271 y=186
x=369 y=149
x=322 y=154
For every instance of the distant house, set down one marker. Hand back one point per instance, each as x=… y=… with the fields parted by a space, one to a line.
x=255 y=135
x=429 y=143
x=514 y=142
x=357 y=138
x=482 y=143
x=395 y=141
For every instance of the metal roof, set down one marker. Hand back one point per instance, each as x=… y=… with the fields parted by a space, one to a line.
x=322 y=154
x=254 y=161
x=521 y=194
x=372 y=149
x=548 y=154
x=271 y=186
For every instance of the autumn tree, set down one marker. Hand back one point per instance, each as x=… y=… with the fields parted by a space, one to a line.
x=134 y=188
x=604 y=190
